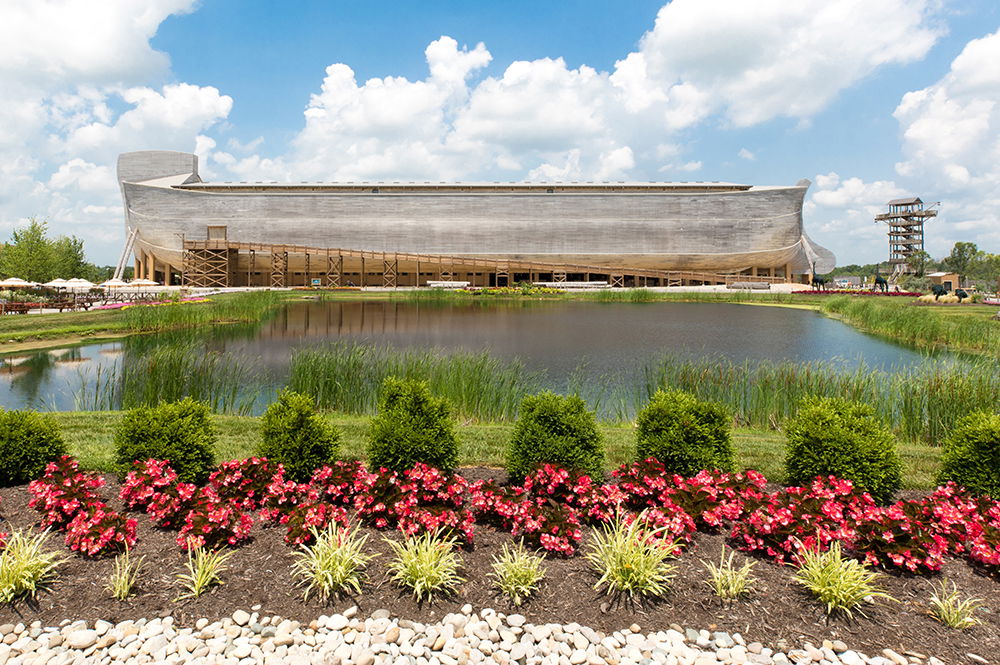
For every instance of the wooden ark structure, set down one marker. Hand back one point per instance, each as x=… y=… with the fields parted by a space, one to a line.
x=183 y=230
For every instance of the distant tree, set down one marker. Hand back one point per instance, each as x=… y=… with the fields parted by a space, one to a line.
x=33 y=256
x=27 y=255
x=962 y=256
x=921 y=262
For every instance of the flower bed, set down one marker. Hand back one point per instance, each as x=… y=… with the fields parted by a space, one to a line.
x=553 y=509
x=547 y=509
x=853 y=292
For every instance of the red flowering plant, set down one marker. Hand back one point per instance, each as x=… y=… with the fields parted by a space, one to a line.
x=898 y=535
x=63 y=491
x=145 y=481
x=803 y=518
x=67 y=499
x=710 y=498
x=418 y=500
x=280 y=498
x=97 y=530
x=306 y=518
x=541 y=520
x=985 y=546
x=339 y=483
x=169 y=507
x=245 y=483
x=214 y=522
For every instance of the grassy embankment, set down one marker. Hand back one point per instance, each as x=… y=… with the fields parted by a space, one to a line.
x=89 y=437
x=20 y=332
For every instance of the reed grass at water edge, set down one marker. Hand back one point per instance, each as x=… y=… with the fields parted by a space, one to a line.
x=346 y=377
x=251 y=306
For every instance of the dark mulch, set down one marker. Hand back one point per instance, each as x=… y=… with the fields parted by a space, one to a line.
x=260 y=573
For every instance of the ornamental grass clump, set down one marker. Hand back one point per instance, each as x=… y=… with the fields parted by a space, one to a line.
x=726 y=580
x=204 y=570
x=333 y=564
x=179 y=432
x=632 y=558
x=28 y=442
x=558 y=430
x=948 y=607
x=685 y=434
x=412 y=426
x=517 y=572
x=830 y=436
x=427 y=565
x=25 y=567
x=840 y=583
x=972 y=454
x=297 y=437
x=124 y=575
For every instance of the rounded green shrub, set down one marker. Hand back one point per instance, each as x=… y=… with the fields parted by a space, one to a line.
x=972 y=454
x=686 y=435
x=833 y=436
x=28 y=442
x=558 y=430
x=181 y=432
x=293 y=434
x=411 y=426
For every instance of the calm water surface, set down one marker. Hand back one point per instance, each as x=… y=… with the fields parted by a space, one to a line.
x=562 y=339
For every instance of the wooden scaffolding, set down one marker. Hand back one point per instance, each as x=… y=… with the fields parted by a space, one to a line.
x=217 y=263
x=905 y=219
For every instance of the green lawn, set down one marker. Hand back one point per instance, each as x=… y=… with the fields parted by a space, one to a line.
x=90 y=434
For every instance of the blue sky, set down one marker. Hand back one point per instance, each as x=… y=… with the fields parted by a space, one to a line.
x=868 y=100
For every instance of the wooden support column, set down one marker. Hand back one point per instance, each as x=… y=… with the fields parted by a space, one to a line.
x=362 y=271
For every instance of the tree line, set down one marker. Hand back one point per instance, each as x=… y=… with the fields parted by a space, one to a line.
x=34 y=256
x=972 y=264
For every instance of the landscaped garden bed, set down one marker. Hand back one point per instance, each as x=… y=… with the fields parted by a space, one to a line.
x=839 y=558
x=776 y=610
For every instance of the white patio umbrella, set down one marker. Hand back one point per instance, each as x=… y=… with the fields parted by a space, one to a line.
x=113 y=284
x=57 y=283
x=144 y=282
x=79 y=283
x=16 y=283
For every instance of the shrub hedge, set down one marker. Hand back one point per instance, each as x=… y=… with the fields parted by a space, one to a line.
x=684 y=434
x=558 y=430
x=972 y=454
x=294 y=435
x=181 y=432
x=834 y=436
x=411 y=426
x=28 y=442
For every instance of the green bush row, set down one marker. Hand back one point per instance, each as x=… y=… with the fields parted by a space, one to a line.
x=827 y=436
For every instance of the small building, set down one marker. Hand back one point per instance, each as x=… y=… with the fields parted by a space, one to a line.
x=948 y=280
x=849 y=281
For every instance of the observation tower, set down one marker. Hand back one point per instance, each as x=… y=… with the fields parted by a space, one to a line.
x=905 y=220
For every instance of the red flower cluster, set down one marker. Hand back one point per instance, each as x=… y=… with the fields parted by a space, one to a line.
x=914 y=535
x=67 y=499
x=244 y=483
x=798 y=518
x=419 y=500
x=710 y=498
x=214 y=522
x=215 y=515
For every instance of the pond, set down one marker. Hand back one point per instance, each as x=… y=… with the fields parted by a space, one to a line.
x=567 y=343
